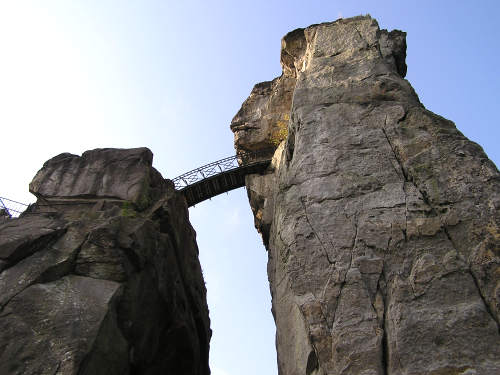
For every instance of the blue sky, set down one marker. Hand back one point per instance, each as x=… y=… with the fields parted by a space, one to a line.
x=77 y=75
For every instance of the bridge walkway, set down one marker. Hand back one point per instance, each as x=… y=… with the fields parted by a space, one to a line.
x=220 y=176
x=197 y=185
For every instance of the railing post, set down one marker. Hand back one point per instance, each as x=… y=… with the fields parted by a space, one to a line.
x=4 y=208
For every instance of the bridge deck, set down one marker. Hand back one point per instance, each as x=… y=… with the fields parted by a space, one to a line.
x=220 y=183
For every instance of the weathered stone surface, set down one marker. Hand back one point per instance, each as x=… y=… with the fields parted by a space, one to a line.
x=99 y=173
x=380 y=218
x=19 y=239
x=48 y=263
x=258 y=119
x=51 y=328
x=106 y=283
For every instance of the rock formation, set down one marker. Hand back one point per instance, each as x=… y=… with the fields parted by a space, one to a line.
x=101 y=275
x=381 y=220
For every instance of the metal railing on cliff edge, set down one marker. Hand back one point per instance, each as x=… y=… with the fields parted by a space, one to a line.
x=197 y=185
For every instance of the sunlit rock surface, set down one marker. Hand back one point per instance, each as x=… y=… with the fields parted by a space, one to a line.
x=102 y=276
x=380 y=218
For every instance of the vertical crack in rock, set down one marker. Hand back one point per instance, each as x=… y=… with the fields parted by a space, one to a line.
x=407 y=176
x=485 y=302
x=367 y=45
x=312 y=363
x=385 y=341
x=396 y=157
x=403 y=173
x=56 y=370
x=476 y=282
x=315 y=233
x=349 y=267
x=328 y=281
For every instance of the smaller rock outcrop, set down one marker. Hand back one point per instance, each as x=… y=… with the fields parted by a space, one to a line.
x=101 y=275
x=123 y=174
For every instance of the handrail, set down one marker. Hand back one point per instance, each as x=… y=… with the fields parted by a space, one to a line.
x=220 y=166
x=11 y=208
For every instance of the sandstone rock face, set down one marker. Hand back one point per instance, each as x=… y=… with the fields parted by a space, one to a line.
x=124 y=174
x=380 y=218
x=102 y=276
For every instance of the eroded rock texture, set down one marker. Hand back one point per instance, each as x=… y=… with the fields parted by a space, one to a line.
x=380 y=218
x=101 y=276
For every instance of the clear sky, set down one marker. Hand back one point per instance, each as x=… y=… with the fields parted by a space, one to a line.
x=170 y=75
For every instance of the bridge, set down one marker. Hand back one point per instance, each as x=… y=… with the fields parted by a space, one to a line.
x=10 y=208
x=197 y=185
x=220 y=176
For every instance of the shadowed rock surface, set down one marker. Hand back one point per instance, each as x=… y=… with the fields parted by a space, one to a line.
x=381 y=220
x=101 y=275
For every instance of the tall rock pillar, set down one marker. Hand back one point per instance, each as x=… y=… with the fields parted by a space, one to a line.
x=381 y=220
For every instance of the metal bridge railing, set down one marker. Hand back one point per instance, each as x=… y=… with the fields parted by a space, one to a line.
x=219 y=166
x=11 y=208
